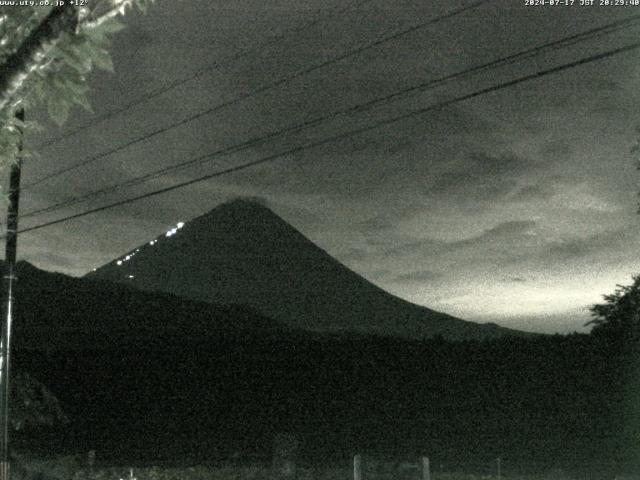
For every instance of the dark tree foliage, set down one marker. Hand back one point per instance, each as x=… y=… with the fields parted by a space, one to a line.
x=149 y=377
x=617 y=331
x=46 y=55
x=619 y=315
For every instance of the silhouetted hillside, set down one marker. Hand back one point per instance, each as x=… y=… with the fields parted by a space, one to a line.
x=55 y=311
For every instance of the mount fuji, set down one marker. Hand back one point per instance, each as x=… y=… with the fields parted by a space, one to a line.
x=242 y=253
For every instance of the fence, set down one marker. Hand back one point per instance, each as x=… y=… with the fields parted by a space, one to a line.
x=420 y=469
x=285 y=465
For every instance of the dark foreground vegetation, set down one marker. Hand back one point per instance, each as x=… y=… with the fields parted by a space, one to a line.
x=555 y=401
x=539 y=403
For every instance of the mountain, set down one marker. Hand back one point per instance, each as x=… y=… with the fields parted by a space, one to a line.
x=243 y=253
x=58 y=312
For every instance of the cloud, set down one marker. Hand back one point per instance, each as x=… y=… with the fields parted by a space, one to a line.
x=597 y=246
x=476 y=167
x=505 y=229
x=353 y=254
x=532 y=192
x=376 y=224
x=53 y=261
x=419 y=276
x=514 y=280
x=571 y=249
x=502 y=244
x=480 y=179
x=557 y=148
x=602 y=84
x=582 y=197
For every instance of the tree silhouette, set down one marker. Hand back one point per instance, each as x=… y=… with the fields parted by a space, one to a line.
x=46 y=54
x=619 y=315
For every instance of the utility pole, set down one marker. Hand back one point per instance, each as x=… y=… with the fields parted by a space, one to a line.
x=9 y=281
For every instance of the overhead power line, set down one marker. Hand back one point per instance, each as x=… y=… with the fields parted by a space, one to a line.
x=524 y=54
x=252 y=93
x=334 y=138
x=150 y=95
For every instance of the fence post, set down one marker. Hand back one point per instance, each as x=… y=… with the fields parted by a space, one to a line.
x=91 y=460
x=357 y=467
x=426 y=469
x=285 y=452
x=499 y=462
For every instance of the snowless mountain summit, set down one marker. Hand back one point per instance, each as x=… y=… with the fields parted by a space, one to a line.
x=241 y=252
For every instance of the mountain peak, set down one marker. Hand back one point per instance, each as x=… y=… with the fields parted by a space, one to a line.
x=241 y=252
x=244 y=211
x=244 y=203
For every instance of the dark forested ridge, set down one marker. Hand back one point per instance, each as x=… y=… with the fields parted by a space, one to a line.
x=55 y=312
x=151 y=377
x=548 y=401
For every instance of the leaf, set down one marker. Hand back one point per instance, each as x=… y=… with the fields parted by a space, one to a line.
x=60 y=81
x=142 y=6
x=102 y=59
x=72 y=57
x=72 y=89
x=99 y=34
x=111 y=26
x=96 y=54
x=83 y=101
x=32 y=126
x=58 y=110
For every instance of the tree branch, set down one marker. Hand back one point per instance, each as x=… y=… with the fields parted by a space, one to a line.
x=117 y=7
x=33 y=51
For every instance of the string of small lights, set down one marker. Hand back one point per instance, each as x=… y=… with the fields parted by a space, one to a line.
x=128 y=256
x=424 y=86
x=344 y=135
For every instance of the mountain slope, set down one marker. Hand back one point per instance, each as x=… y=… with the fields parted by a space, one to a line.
x=55 y=311
x=243 y=253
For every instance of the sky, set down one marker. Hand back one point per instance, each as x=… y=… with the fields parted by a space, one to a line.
x=516 y=206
